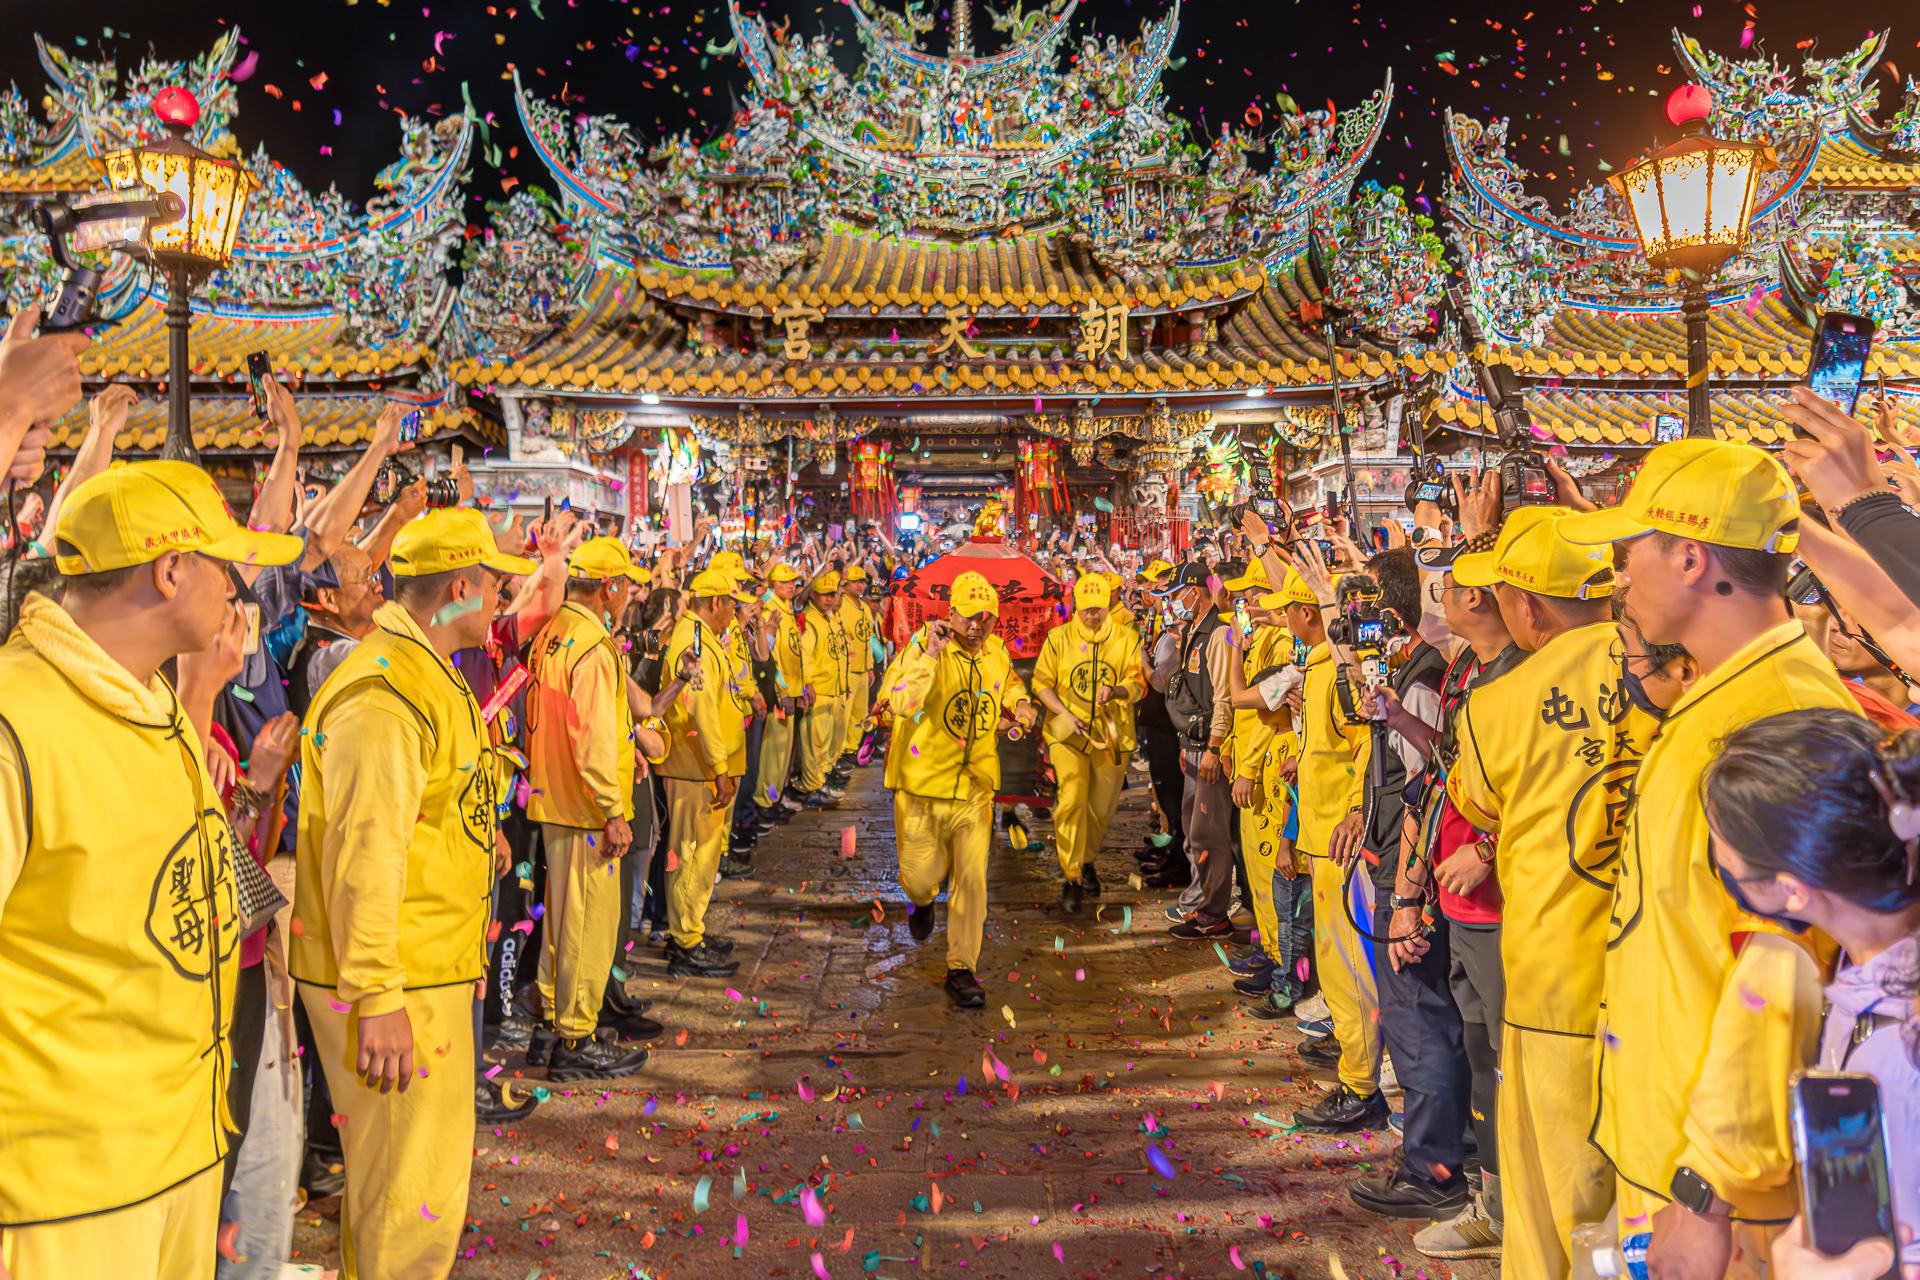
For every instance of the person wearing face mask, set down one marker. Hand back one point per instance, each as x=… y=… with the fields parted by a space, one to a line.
x=1698 y=994
x=1655 y=676
x=580 y=772
x=1163 y=864
x=1548 y=755
x=1813 y=820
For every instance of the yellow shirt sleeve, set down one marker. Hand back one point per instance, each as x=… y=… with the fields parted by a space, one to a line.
x=374 y=759
x=1046 y=668
x=13 y=817
x=1133 y=674
x=913 y=680
x=593 y=727
x=1468 y=786
x=1738 y=1128
x=1015 y=690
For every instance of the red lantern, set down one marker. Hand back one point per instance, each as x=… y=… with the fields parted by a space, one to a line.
x=176 y=106
x=1688 y=103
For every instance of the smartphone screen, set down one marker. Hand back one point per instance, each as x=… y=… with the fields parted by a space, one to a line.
x=1668 y=427
x=257 y=371
x=410 y=426
x=1845 y=1191
x=1839 y=363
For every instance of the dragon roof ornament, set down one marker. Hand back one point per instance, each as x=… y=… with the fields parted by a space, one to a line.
x=1755 y=99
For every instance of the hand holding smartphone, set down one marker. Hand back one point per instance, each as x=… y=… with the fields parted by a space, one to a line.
x=258 y=370
x=1838 y=365
x=1846 y=1192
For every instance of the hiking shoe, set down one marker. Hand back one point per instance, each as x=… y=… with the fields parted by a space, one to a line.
x=698 y=962
x=490 y=1106
x=1178 y=914
x=594 y=1059
x=1090 y=880
x=1399 y=1195
x=1256 y=961
x=920 y=922
x=735 y=868
x=1468 y=1234
x=628 y=1025
x=1314 y=1008
x=1269 y=1009
x=1323 y=1053
x=718 y=943
x=1191 y=930
x=965 y=990
x=1072 y=897
x=1341 y=1110
x=1311 y=1027
x=1254 y=985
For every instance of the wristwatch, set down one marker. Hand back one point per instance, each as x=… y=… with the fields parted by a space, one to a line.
x=1399 y=903
x=1694 y=1193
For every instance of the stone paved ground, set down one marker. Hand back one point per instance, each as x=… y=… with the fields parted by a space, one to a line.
x=1010 y=1142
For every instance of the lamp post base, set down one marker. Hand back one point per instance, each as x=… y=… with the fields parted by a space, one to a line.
x=179 y=446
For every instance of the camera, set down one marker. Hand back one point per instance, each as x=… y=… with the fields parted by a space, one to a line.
x=394 y=475
x=1365 y=626
x=1429 y=483
x=1524 y=478
x=86 y=224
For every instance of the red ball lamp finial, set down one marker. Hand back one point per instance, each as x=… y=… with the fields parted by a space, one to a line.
x=176 y=107
x=1689 y=104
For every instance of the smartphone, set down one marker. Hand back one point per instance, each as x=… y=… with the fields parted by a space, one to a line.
x=257 y=371
x=1326 y=551
x=1839 y=362
x=1241 y=622
x=252 y=611
x=410 y=426
x=1668 y=427
x=1846 y=1194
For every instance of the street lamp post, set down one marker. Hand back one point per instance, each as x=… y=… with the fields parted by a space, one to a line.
x=1690 y=203
x=214 y=194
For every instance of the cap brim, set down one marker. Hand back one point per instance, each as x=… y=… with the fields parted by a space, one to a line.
x=1247 y=583
x=1609 y=524
x=249 y=546
x=512 y=566
x=974 y=613
x=1478 y=569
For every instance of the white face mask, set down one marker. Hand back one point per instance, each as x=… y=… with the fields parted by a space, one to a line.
x=1433 y=616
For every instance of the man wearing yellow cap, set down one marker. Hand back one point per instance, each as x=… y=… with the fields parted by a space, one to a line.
x=1708 y=1008
x=823 y=646
x=857 y=625
x=789 y=681
x=119 y=921
x=395 y=872
x=1547 y=760
x=701 y=729
x=1088 y=677
x=946 y=692
x=581 y=771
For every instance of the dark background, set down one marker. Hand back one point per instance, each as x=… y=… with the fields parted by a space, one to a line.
x=1542 y=64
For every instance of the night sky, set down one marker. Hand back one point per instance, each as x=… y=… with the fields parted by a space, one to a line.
x=1584 y=83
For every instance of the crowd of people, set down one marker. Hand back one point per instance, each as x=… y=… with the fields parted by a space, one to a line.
x=1588 y=828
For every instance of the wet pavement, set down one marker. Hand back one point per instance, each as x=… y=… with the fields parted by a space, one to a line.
x=826 y=1113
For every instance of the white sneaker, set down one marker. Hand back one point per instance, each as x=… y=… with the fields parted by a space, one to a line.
x=1388 y=1080
x=1310 y=1009
x=1468 y=1234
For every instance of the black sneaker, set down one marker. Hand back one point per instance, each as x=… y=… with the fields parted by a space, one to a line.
x=1269 y=1009
x=629 y=1026
x=1398 y=1195
x=1253 y=985
x=617 y=1000
x=490 y=1108
x=965 y=990
x=718 y=943
x=1071 y=897
x=1341 y=1110
x=700 y=962
x=789 y=804
x=1090 y=880
x=920 y=922
x=1324 y=1052
x=821 y=799
x=540 y=1044
x=763 y=826
x=323 y=1175
x=1192 y=930
x=733 y=867
x=594 y=1059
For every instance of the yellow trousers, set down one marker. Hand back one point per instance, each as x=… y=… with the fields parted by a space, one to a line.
x=1090 y=785
x=582 y=928
x=857 y=703
x=1259 y=844
x=1551 y=1178
x=1752 y=1242
x=170 y=1236
x=1346 y=980
x=776 y=758
x=947 y=840
x=696 y=836
x=409 y=1156
x=820 y=734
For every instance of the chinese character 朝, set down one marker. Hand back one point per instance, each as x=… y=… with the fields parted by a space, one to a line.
x=1103 y=331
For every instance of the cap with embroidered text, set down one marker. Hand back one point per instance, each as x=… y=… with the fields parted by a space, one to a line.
x=1533 y=554
x=448 y=539
x=137 y=512
x=1713 y=491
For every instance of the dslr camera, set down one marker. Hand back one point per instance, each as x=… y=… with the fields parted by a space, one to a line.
x=394 y=475
x=1524 y=478
x=1367 y=627
x=1429 y=483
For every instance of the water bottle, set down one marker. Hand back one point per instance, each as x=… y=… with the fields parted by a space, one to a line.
x=1599 y=1254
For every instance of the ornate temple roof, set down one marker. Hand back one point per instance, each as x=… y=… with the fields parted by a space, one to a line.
x=1625 y=418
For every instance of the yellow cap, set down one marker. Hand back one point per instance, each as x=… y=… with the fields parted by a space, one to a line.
x=783 y=573
x=730 y=562
x=715 y=584
x=1092 y=591
x=1255 y=576
x=1292 y=591
x=1533 y=554
x=1715 y=491
x=826 y=582
x=1114 y=580
x=448 y=539
x=1274 y=601
x=855 y=573
x=1156 y=571
x=136 y=513
x=974 y=595
x=602 y=558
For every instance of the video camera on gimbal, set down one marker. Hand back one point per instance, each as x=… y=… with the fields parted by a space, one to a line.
x=86 y=224
x=1362 y=624
x=1524 y=478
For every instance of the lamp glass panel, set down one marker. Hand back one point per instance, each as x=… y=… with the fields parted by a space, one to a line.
x=1684 y=200
x=1643 y=200
x=213 y=191
x=1733 y=175
x=164 y=171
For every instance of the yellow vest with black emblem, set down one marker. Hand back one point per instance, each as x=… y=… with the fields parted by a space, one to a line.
x=119 y=935
x=448 y=892
x=740 y=689
x=856 y=622
x=946 y=718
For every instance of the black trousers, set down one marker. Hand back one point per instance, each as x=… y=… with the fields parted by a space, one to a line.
x=1421 y=1026
x=1162 y=748
x=247 y=1036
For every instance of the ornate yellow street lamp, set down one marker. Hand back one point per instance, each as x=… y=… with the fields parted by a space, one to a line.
x=214 y=193
x=1690 y=203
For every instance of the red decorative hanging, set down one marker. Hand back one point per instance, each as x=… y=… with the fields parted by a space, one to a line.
x=874 y=493
x=1040 y=484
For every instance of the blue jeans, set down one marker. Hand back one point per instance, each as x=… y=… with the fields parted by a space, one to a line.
x=1421 y=1026
x=266 y=1175
x=1293 y=910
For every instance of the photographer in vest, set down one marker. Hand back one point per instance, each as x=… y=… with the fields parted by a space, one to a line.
x=1200 y=704
x=395 y=873
x=119 y=923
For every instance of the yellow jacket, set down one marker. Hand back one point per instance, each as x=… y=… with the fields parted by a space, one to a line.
x=856 y=624
x=1708 y=1010
x=1333 y=757
x=789 y=664
x=701 y=723
x=946 y=718
x=119 y=939
x=1253 y=733
x=1076 y=663
x=1548 y=756
x=579 y=725
x=399 y=788
x=739 y=695
x=824 y=647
